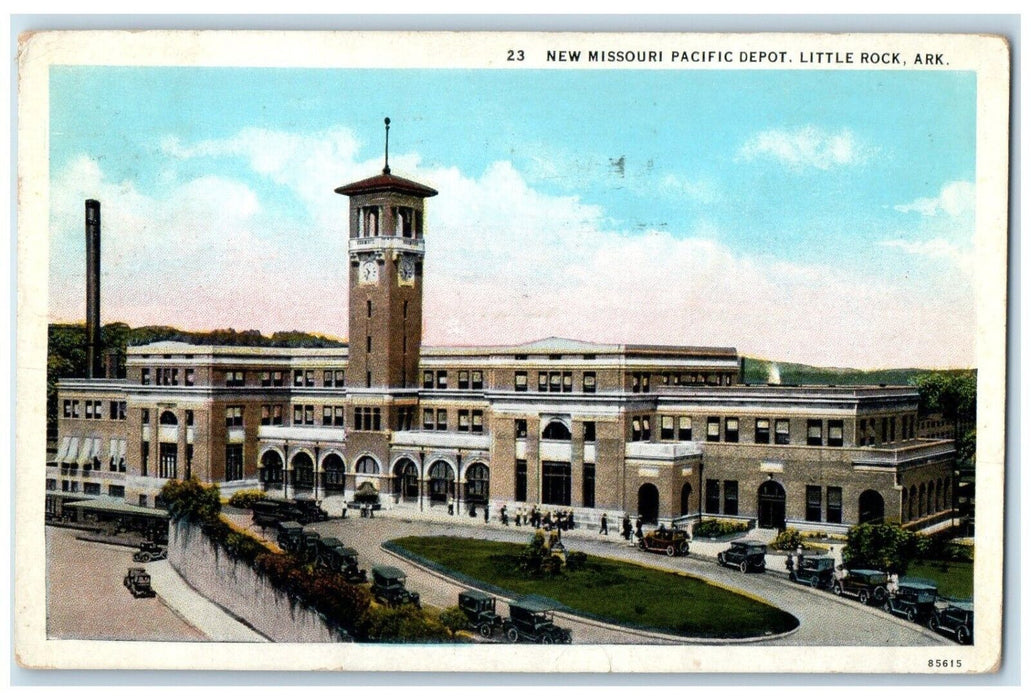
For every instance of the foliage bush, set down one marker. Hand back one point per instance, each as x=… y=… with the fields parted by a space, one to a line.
x=191 y=500
x=575 y=560
x=454 y=619
x=788 y=539
x=890 y=547
x=405 y=623
x=718 y=528
x=246 y=498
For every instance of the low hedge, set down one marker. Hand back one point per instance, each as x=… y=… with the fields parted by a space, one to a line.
x=246 y=498
x=719 y=528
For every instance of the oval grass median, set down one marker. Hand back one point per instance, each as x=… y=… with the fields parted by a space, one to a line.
x=606 y=589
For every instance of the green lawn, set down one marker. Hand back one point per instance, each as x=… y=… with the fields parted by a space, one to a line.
x=955 y=579
x=612 y=590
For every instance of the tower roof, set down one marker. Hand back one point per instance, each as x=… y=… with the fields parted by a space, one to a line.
x=385 y=182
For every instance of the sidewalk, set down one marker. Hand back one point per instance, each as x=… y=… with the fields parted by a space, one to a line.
x=217 y=624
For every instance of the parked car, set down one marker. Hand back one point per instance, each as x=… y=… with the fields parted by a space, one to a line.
x=310 y=510
x=388 y=587
x=747 y=555
x=956 y=619
x=673 y=542
x=308 y=549
x=290 y=535
x=480 y=610
x=137 y=580
x=150 y=551
x=865 y=584
x=817 y=572
x=334 y=556
x=269 y=512
x=532 y=618
x=914 y=600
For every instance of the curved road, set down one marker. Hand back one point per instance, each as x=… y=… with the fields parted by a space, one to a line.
x=825 y=619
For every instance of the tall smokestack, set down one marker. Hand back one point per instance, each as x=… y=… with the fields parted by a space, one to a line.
x=94 y=360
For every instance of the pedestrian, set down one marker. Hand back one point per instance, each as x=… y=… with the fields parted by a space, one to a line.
x=604 y=524
x=372 y=510
x=344 y=513
x=450 y=506
x=504 y=515
x=486 y=513
x=790 y=563
x=472 y=510
x=571 y=524
x=518 y=516
x=626 y=527
x=638 y=532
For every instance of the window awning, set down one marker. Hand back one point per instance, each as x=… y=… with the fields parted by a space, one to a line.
x=90 y=448
x=112 y=453
x=62 y=453
x=73 y=451
x=121 y=450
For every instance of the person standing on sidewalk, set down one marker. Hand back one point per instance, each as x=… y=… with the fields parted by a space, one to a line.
x=604 y=524
x=486 y=513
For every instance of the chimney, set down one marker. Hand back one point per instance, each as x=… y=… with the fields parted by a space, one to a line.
x=94 y=359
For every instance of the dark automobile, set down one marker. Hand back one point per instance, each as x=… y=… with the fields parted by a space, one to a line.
x=290 y=535
x=269 y=512
x=914 y=600
x=747 y=555
x=817 y=572
x=150 y=551
x=865 y=584
x=673 y=542
x=480 y=609
x=956 y=620
x=137 y=580
x=308 y=549
x=310 y=510
x=531 y=618
x=388 y=587
x=336 y=557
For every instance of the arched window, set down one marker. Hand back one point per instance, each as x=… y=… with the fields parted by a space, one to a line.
x=333 y=472
x=871 y=507
x=366 y=465
x=168 y=418
x=442 y=481
x=556 y=430
x=407 y=475
x=685 y=499
x=304 y=470
x=477 y=483
x=271 y=468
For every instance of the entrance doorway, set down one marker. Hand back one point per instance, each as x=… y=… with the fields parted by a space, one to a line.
x=871 y=507
x=772 y=504
x=685 y=499
x=648 y=503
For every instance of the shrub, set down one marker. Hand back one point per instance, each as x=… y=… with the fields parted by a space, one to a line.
x=246 y=498
x=718 y=528
x=883 y=546
x=575 y=560
x=789 y=539
x=454 y=619
x=191 y=500
x=405 y=623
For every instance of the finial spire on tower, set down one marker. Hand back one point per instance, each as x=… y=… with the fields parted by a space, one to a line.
x=386 y=147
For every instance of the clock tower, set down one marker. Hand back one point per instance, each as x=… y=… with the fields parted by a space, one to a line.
x=385 y=250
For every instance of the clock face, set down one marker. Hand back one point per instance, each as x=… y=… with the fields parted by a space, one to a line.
x=406 y=272
x=369 y=272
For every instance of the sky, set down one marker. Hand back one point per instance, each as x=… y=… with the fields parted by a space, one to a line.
x=806 y=216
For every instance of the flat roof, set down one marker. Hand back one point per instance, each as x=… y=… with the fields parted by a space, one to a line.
x=108 y=504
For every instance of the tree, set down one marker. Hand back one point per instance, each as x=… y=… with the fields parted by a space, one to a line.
x=191 y=500
x=883 y=546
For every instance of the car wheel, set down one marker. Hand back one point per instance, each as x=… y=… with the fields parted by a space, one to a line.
x=512 y=634
x=837 y=589
x=880 y=594
x=486 y=629
x=744 y=567
x=932 y=623
x=684 y=549
x=144 y=557
x=886 y=607
x=962 y=636
x=640 y=545
x=546 y=639
x=814 y=583
x=670 y=551
x=911 y=615
x=719 y=560
x=864 y=597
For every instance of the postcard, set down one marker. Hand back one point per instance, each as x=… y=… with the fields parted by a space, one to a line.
x=402 y=351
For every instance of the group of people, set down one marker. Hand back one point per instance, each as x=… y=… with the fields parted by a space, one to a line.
x=628 y=532
x=546 y=520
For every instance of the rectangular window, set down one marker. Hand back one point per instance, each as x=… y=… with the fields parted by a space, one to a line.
x=309 y=415
x=556 y=483
x=834 y=504
x=144 y=457
x=646 y=428
x=520 y=480
x=145 y=416
x=814 y=433
x=327 y=415
x=555 y=381
x=730 y=498
x=234 y=416
x=427 y=419
x=477 y=421
x=588 y=486
x=635 y=383
x=266 y=414
x=730 y=433
x=75 y=409
x=712 y=429
x=441 y=419
x=338 y=377
x=91 y=489
x=646 y=383
x=463 y=379
x=666 y=427
x=168 y=456
x=477 y=379
x=782 y=431
x=235 y=378
x=442 y=379
x=189 y=416
x=145 y=375
x=298 y=377
x=327 y=377
x=520 y=381
x=67 y=408
x=590 y=383
x=427 y=380
x=116 y=491
x=520 y=429
x=835 y=433
x=89 y=410
x=762 y=431
x=567 y=382
x=684 y=428
x=635 y=429
x=338 y=417
x=234 y=462
x=712 y=496
x=309 y=377
x=463 y=420
x=112 y=410
x=542 y=381
x=299 y=414
x=813 y=503
x=590 y=430
x=266 y=378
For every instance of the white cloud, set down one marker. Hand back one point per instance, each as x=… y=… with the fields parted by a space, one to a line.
x=806 y=147
x=956 y=199
x=505 y=263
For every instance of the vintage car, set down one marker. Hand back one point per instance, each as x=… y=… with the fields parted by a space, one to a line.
x=531 y=618
x=956 y=620
x=388 y=587
x=334 y=556
x=868 y=585
x=747 y=555
x=914 y=600
x=269 y=512
x=290 y=535
x=137 y=580
x=817 y=572
x=150 y=551
x=480 y=609
x=673 y=541
x=308 y=549
x=310 y=510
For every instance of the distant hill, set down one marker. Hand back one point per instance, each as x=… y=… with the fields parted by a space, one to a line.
x=770 y=371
